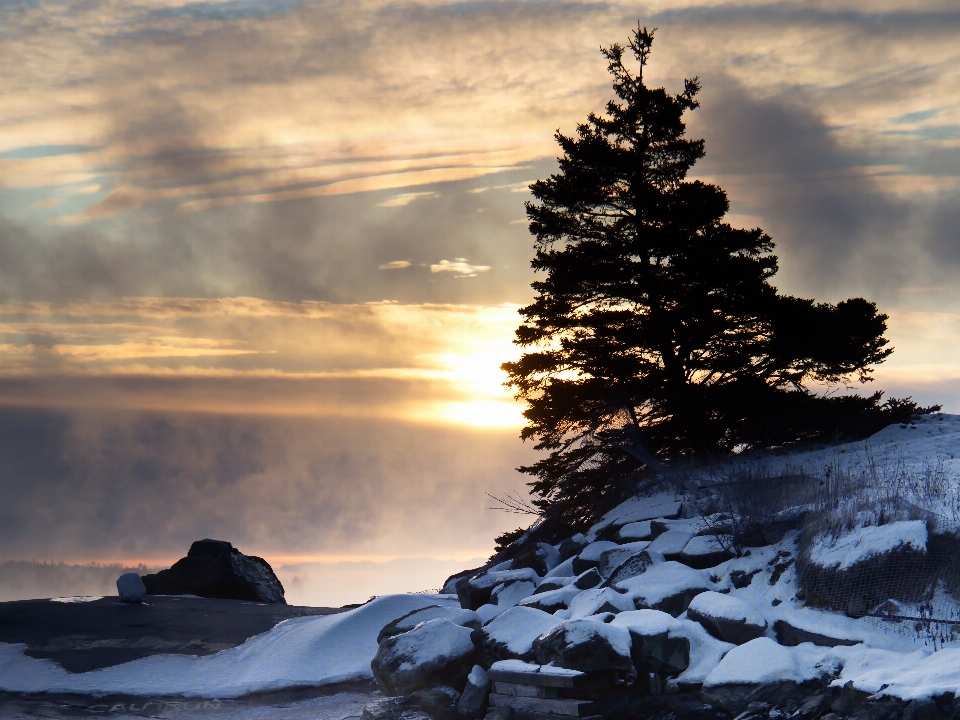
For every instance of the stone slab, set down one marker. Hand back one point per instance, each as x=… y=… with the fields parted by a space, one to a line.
x=557 y=706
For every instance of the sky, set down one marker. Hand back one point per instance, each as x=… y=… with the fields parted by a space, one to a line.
x=260 y=260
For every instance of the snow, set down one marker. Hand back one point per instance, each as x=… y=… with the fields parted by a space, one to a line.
x=672 y=542
x=702 y=545
x=663 y=580
x=491 y=578
x=639 y=509
x=590 y=601
x=513 y=593
x=593 y=551
x=553 y=598
x=578 y=631
x=306 y=651
x=706 y=652
x=610 y=559
x=564 y=569
x=488 y=612
x=647 y=622
x=478 y=677
x=77 y=599
x=522 y=667
x=454 y=615
x=635 y=531
x=761 y=661
x=724 y=607
x=861 y=544
x=518 y=627
x=431 y=640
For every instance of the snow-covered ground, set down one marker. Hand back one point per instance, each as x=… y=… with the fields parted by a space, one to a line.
x=308 y=651
x=882 y=656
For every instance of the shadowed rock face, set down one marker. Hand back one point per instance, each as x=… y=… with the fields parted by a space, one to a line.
x=216 y=569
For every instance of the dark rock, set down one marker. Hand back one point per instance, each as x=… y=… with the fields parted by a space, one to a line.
x=501 y=713
x=631 y=567
x=473 y=700
x=596 y=601
x=130 y=588
x=434 y=653
x=675 y=604
x=726 y=618
x=450 y=584
x=439 y=703
x=685 y=708
x=475 y=590
x=849 y=701
x=755 y=710
x=510 y=635
x=539 y=557
x=736 y=698
x=572 y=546
x=589 y=579
x=779 y=569
x=547 y=586
x=741 y=578
x=388 y=708
x=466 y=618
x=813 y=706
x=651 y=647
x=216 y=569
x=922 y=709
x=585 y=645
x=791 y=636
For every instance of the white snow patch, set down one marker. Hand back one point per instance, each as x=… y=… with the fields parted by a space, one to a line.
x=522 y=667
x=763 y=661
x=518 y=627
x=77 y=599
x=488 y=612
x=672 y=542
x=706 y=652
x=702 y=545
x=513 y=593
x=431 y=640
x=861 y=544
x=590 y=601
x=635 y=531
x=306 y=651
x=562 y=570
x=664 y=579
x=647 y=622
x=577 y=631
x=593 y=551
x=724 y=607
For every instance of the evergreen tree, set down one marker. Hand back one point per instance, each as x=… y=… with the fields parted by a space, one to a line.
x=655 y=333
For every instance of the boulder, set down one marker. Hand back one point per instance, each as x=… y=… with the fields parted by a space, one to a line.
x=466 y=618
x=631 y=567
x=473 y=699
x=611 y=559
x=510 y=593
x=392 y=708
x=572 y=546
x=539 y=557
x=549 y=585
x=599 y=600
x=436 y=652
x=130 y=588
x=589 y=557
x=450 y=584
x=727 y=618
x=440 y=703
x=667 y=586
x=216 y=569
x=476 y=590
x=588 y=579
x=585 y=645
x=552 y=600
x=704 y=551
x=510 y=635
x=661 y=525
x=671 y=543
x=790 y=634
x=631 y=532
x=656 y=645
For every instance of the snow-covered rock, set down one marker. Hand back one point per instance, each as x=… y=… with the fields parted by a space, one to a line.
x=666 y=505
x=475 y=591
x=467 y=618
x=552 y=600
x=631 y=567
x=564 y=569
x=488 y=612
x=588 y=579
x=511 y=635
x=671 y=543
x=657 y=644
x=762 y=661
x=436 y=652
x=540 y=557
x=667 y=586
x=572 y=546
x=131 y=588
x=585 y=645
x=857 y=546
x=611 y=559
x=589 y=557
x=599 y=600
x=509 y=594
x=704 y=551
x=631 y=532
x=727 y=618
x=473 y=699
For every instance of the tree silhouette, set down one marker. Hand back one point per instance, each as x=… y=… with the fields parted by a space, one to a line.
x=655 y=333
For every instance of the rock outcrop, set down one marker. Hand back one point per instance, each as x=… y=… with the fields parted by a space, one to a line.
x=434 y=653
x=216 y=569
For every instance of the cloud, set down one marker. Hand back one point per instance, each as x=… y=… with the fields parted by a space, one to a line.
x=406 y=199
x=394 y=265
x=460 y=266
